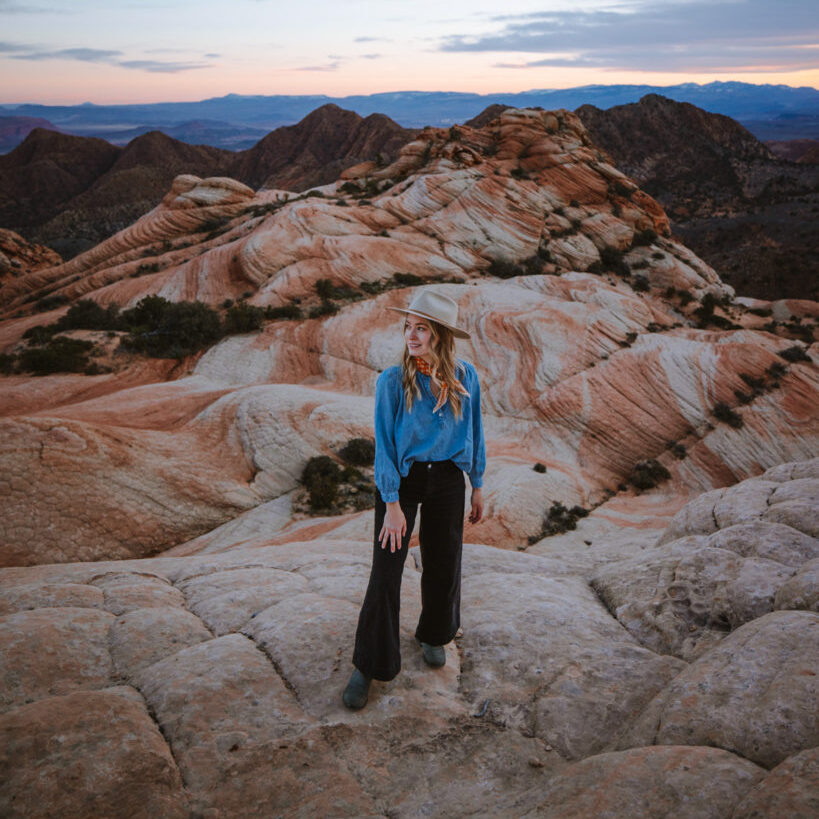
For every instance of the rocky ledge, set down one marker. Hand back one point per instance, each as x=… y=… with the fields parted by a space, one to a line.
x=679 y=681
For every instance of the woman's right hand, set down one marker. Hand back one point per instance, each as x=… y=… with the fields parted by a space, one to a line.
x=394 y=528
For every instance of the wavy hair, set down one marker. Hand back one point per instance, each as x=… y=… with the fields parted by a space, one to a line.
x=442 y=352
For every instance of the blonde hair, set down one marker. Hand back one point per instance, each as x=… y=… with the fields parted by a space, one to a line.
x=442 y=353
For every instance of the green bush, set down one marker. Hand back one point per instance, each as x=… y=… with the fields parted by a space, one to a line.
x=612 y=259
x=644 y=237
x=164 y=329
x=794 y=354
x=559 y=519
x=358 y=451
x=326 y=308
x=647 y=474
x=504 y=269
x=243 y=318
x=640 y=284
x=722 y=412
x=539 y=467
x=60 y=355
x=88 y=315
x=407 y=279
x=321 y=477
x=286 y=311
x=7 y=363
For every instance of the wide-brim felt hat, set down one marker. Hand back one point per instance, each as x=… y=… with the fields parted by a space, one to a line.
x=430 y=304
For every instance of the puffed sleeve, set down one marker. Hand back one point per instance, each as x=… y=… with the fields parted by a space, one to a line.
x=387 y=396
x=478 y=447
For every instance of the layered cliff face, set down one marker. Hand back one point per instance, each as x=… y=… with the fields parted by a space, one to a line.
x=188 y=603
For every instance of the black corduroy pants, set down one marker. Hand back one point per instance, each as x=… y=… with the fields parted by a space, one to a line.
x=438 y=486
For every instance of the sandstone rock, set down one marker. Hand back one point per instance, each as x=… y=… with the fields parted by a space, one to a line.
x=774 y=541
x=88 y=753
x=754 y=693
x=648 y=783
x=142 y=637
x=802 y=590
x=791 y=789
x=50 y=595
x=683 y=597
x=126 y=591
x=49 y=652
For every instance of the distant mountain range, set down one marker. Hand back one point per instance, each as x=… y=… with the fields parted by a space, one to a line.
x=236 y=122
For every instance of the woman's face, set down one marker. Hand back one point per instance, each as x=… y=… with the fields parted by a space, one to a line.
x=418 y=336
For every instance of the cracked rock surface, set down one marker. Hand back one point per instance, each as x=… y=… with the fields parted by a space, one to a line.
x=211 y=684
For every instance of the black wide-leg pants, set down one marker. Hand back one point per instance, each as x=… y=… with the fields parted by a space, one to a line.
x=438 y=486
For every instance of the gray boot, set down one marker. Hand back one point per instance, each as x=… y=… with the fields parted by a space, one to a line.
x=355 y=694
x=434 y=655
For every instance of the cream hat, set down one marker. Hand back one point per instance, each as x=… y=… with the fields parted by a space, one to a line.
x=429 y=304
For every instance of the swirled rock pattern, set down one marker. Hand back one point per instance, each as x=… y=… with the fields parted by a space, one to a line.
x=159 y=578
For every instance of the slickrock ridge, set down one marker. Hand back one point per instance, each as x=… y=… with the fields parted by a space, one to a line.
x=159 y=581
x=555 y=351
x=72 y=192
x=193 y=674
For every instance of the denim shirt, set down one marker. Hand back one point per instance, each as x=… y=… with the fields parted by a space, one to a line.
x=403 y=437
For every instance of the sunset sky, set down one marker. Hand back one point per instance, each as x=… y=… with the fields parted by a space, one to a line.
x=72 y=51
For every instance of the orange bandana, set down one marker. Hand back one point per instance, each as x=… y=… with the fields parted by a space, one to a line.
x=426 y=369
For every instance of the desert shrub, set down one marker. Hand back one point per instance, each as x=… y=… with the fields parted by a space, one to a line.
x=644 y=238
x=685 y=296
x=722 y=412
x=407 y=279
x=327 y=290
x=350 y=187
x=50 y=302
x=372 y=287
x=762 y=312
x=559 y=519
x=539 y=467
x=658 y=254
x=678 y=451
x=776 y=370
x=243 y=318
x=454 y=134
x=574 y=204
x=7 y=363
x=620 y=189
x=647 y=474
x=519 y=173
x=40 y=333
x=533 y=265
x=164 y=329
x=794 y=354
x=88 y=315
x=342 y=203
x=640 y=284
x=326 y=308
x=321 y=477
x=756 y=384
x=285 y=311
x=612 y=259
x=504 y=269
x=358 y=451
x=59 y=355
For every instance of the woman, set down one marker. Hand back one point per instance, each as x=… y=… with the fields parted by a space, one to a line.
x=428 y=432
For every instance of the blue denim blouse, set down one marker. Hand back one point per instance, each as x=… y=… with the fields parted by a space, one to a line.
x=402 y=437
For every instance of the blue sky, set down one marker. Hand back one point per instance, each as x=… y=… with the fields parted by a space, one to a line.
x=55 y=51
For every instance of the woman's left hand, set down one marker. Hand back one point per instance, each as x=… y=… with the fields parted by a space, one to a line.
x=476 y=513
